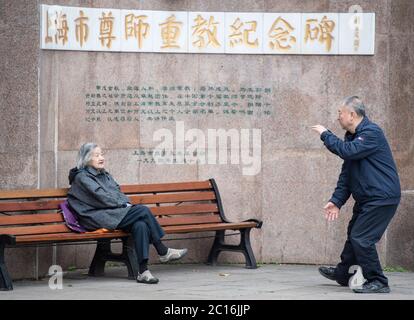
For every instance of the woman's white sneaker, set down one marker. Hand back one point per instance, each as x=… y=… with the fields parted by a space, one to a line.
x=146 y=277
x=173 y=254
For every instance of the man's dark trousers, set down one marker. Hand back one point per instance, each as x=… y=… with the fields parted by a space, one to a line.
x=368 y=224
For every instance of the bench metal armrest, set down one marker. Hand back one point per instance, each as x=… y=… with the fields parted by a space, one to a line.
x=259 y=223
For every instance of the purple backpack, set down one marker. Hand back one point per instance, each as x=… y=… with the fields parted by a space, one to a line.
x=70 y=218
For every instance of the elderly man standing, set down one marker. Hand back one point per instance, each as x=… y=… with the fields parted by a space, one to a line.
x=368 y=173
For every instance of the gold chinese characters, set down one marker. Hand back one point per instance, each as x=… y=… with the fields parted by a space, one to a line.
x=74 y=28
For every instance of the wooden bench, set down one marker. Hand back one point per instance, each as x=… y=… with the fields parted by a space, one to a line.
x=32 y=217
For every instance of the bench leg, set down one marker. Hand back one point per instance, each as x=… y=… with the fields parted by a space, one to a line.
x=130 y=257
x=247 y=249
x=216 y=248
x=5 y=280
x=103 y=254
x=103 y=249
x=244 y=247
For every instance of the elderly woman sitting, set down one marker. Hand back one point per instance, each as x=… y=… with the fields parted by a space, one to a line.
x=99 y=203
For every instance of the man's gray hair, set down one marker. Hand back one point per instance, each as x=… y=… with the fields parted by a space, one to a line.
x=355 y=103
x=85 y=154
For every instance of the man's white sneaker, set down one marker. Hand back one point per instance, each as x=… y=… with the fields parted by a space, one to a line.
x=146 y=277
x=173 y=254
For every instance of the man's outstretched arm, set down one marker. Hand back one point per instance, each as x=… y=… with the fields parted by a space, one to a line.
x=361 y=147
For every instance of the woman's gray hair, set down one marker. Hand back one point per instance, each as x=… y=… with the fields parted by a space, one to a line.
x=85 y=154
x=355 y=103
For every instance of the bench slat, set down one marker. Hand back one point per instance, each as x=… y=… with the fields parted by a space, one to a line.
x=128 y=189
x=188 y=220
x=147 y=199
x=135 y=199
x=174 y=197
x=57 y=217
x=185 y=209
x=167 y=187
x=40 y=229
x=209 y=227
x=62 y=228
x=33 y=193
x=30 y=219
x=29 y=205
x=69 y=236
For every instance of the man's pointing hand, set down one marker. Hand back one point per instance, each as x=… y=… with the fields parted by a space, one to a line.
x=318 y=128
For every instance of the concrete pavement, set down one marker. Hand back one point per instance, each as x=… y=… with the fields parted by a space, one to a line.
x=198 y=281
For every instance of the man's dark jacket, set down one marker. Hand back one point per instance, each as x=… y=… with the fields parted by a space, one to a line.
x=96 y=198
x=369 y=172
